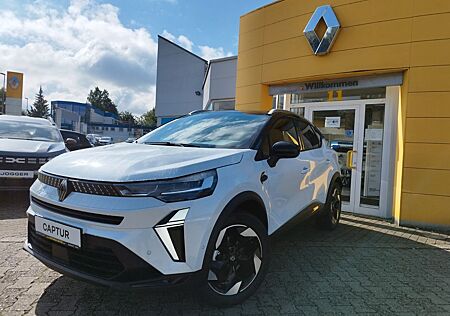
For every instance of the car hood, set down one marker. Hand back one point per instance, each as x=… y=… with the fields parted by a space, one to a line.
x=137 y=162
x=25 y=147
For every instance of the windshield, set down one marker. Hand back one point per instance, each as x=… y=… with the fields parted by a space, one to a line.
x=228 y=129
x=29 y=131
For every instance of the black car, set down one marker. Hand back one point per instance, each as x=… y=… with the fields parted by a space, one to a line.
x=74 y=140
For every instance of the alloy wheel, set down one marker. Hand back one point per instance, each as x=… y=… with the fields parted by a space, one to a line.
x=236 y=260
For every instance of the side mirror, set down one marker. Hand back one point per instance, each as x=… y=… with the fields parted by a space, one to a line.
x=70 y=142
x=283 y=149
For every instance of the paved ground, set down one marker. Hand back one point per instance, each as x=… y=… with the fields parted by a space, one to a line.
x=363 y=267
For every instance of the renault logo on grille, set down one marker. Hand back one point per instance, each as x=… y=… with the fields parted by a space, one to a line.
x=321 y=46
x=64 y=189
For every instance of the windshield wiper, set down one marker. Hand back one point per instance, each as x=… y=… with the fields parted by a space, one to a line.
x=171 y=144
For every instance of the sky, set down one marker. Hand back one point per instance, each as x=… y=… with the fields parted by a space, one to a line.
x=71 y=46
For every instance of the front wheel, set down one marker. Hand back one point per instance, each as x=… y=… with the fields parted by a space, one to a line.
x=236 y=260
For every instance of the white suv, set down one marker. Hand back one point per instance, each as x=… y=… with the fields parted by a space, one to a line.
x=194 y=200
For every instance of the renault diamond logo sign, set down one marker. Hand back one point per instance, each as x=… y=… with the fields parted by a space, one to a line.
x=321 y=46
x=64 y=189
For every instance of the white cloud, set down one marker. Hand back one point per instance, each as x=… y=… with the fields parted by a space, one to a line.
x=209 y=53
x=70 y=52
x=205 y=52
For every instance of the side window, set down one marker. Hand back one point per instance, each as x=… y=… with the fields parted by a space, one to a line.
x=309 y=136
x=283 y=130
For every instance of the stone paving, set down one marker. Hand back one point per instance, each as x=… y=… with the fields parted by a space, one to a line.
x=365 y=266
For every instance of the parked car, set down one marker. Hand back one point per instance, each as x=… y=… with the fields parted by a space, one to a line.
x=25 y=145
x=93 y=139
x=195 y=200
x=130 y=140
x=74 y=140
x=105 y=140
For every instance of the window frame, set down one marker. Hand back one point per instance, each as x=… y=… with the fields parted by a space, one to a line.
x=316 y=132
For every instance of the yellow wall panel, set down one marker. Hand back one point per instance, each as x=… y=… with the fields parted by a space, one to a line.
x=422 y=7
x=365 y=59
x=251 y=40
x=427 y=156
x=431 y=27
x=426 y=181
x=429 y=104
x=374 y=34
x=251 y=57
x=428 y=130
x=436 y=78
x=425 y=209
x=371 y=11
x=248 y=94
x=251 y=21
x=429 y=53
x=248 y=76
x=285 y=29
x=286 y=49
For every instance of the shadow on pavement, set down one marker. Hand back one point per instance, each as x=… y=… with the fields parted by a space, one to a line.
x=350 y=270
x=14 y=204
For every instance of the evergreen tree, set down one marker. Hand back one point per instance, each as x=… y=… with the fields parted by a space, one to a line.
x=40 y=106
x=100 y=99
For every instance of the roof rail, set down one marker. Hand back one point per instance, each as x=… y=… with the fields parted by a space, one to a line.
x=196 y=111
x=272 y=111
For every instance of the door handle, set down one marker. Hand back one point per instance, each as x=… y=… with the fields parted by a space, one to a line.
x=305 y=170
x=350 y=154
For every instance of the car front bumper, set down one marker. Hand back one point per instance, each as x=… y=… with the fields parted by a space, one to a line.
x=103 y=262
x=132 y=245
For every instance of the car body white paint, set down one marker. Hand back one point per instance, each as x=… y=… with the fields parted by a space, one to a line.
x=292 y=184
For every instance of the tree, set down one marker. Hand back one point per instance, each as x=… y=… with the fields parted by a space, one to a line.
x=40 y=106
x=148 y=119
x=127 y=117
x=101 y=100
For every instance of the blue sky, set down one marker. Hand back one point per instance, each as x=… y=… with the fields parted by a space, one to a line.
x=71 y=46
x=214 y=23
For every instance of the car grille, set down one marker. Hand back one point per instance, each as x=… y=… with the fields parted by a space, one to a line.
x=22 y=163
x=87 y=187
x=98 y=257
x=93 y=260
x=16 y=184
x=93 y=217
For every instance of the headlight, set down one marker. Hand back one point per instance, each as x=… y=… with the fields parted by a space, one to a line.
x=180 y=189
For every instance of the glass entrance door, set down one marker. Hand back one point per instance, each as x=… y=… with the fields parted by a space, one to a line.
x=339 y=127
x=356 y=132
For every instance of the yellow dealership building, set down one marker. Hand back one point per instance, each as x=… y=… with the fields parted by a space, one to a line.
x=374 y=76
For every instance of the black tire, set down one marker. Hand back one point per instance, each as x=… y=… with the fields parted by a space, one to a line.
x=331 y=213
x=235 y=264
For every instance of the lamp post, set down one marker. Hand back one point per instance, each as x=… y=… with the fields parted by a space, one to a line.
x=4 y=91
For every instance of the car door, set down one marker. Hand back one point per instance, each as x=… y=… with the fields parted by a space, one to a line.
x=285 y=185
x=319 y=164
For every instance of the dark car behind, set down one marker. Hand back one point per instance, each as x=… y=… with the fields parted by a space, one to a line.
x=74 y=140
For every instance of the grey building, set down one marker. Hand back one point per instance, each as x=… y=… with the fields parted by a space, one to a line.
x=186 y=82
x=219 y=86
x=179 y=81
